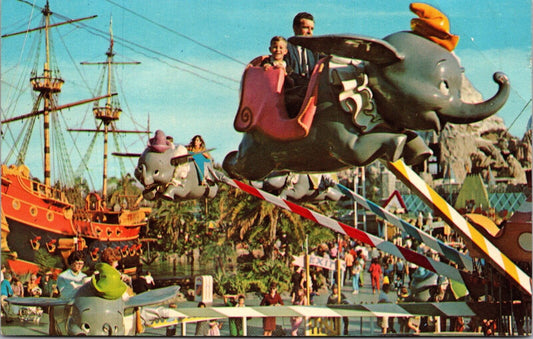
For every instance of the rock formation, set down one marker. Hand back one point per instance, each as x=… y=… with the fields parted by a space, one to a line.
x=484 y=147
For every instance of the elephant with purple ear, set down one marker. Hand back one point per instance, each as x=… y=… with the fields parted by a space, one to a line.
x=169 y=172
x=399 y=84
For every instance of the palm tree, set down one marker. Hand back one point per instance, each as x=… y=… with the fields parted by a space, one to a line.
x=123 y=189
x=257 y=221
x=173 y=223
x=221 y=251
x=75 y=194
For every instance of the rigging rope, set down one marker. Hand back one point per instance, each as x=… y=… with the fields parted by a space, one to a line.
x=180 y=34
x=63 y=155
x=117 y=147
x=82 y=167
x=25 y=135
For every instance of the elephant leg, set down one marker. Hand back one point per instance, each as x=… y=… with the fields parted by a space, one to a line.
x=150 y=194
x=257 y=184
x=416 y=150
x=173 y=193
x=372 y=146
x=333 y=194
x=299 y=189
x=212 y=191
x=274 y=183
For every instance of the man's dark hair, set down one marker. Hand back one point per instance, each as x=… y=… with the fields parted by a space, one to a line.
x=300 y=16
x=75 y=256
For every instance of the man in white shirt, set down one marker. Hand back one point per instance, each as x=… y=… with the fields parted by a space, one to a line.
x=72 y=278
x=68 y=282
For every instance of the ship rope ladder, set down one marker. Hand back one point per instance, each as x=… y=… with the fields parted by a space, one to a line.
x=117 y=147
x=82 y=167
x=62 y=156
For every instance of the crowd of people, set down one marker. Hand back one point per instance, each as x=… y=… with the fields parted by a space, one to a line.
x=66 y=284
x=25 y=285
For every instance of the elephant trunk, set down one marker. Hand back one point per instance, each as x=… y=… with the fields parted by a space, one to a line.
x=145 y=179
x=469 y=113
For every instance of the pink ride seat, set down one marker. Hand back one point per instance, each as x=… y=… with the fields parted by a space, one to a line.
x=262 y=104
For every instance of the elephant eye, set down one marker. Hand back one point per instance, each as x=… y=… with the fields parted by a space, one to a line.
x=444 y=88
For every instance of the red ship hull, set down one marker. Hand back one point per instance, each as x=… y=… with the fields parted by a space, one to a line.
x=39 y=221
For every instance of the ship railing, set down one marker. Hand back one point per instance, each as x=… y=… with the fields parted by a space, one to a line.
x=107 y=112
x=46 y=191
x=46 y=83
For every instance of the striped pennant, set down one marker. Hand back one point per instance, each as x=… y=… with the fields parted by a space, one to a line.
x=192 y=314
x=461 y=259
x=491 y=253
x=339 y=227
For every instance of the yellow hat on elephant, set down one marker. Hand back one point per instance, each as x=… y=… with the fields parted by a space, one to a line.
x=109 y=284
x=433 y=25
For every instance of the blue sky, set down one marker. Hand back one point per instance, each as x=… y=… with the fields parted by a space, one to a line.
x=192 y=55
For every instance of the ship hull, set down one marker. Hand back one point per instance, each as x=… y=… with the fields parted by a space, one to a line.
x=41 y=223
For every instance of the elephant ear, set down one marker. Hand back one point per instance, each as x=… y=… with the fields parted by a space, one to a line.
x=184 y=158
x=350 y=46
x=180 y=159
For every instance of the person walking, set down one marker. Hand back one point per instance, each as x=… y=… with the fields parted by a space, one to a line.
x=383 y=322
x=202 y=327
x=301 y=299
x=333 y=299
x=356 y=272
x=236 y=328
x=349 y=260
x=272 y=298
x=375 y=274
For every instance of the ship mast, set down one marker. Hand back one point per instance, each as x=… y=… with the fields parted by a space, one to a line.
x=48 y=85
x=110 y=112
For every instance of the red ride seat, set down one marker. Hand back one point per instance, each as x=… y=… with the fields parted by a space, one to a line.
x=262 y=103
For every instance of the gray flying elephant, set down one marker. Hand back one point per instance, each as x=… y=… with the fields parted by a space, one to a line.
x=370 y=96
x=168 y=171
x=300 y=187
x=88 y=314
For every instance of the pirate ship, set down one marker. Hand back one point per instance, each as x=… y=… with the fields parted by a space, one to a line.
x=38 y=220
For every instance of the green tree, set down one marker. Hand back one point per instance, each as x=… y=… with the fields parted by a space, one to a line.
x=120 y=190
x=220 y=251
x=77 y=193
x=257 y=222
x=174 y=223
